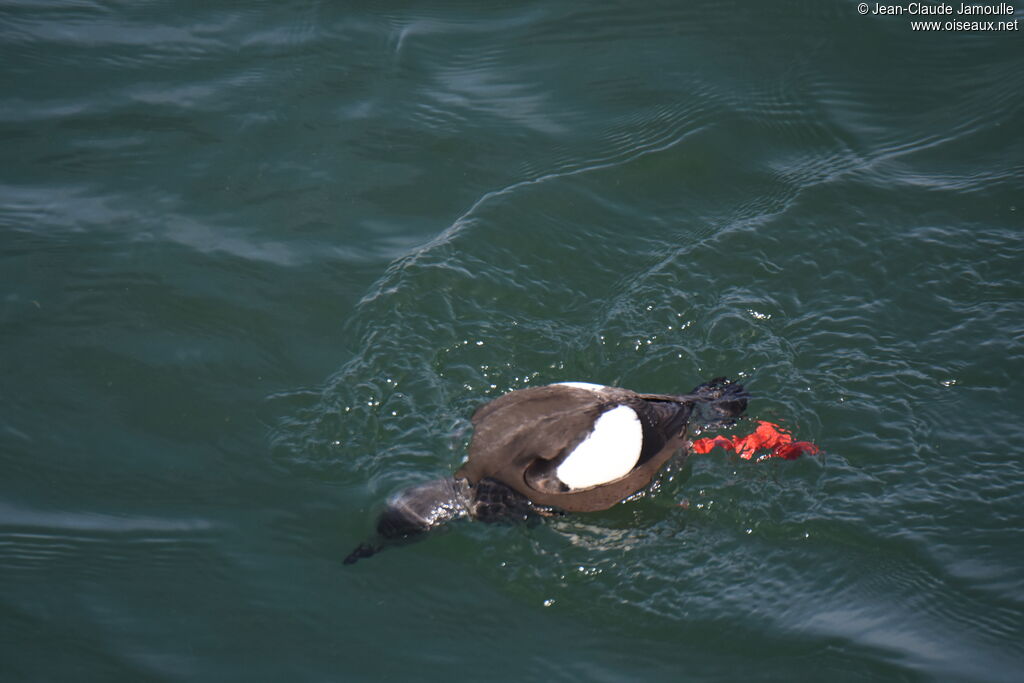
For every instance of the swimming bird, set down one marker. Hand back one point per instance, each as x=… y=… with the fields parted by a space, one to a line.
x=547 y=450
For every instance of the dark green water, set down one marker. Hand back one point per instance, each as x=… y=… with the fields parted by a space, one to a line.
x=260 y=263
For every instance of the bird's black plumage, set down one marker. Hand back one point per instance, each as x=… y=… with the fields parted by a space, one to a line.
x=522 y=437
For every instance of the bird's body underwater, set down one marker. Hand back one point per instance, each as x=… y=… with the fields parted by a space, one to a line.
x=570 y=447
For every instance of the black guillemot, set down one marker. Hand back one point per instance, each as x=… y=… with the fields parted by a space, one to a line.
x=567 y=447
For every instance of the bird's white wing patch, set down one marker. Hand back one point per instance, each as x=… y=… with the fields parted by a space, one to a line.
x=583 y=385
x=610 y=451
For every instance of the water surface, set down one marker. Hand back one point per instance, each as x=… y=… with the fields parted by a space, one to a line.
x=260 y=263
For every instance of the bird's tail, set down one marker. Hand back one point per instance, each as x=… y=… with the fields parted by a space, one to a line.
x=719 y=402
x=715 y=403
